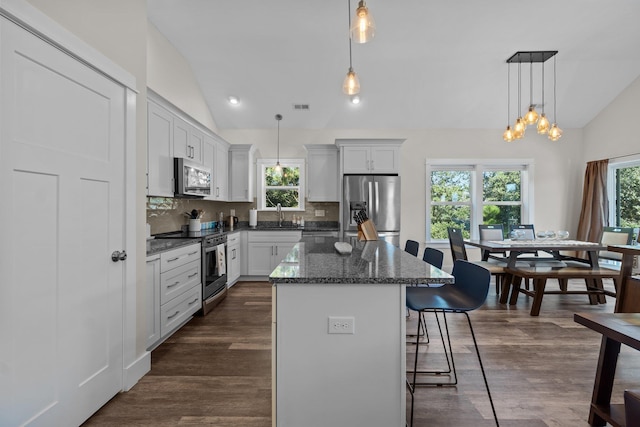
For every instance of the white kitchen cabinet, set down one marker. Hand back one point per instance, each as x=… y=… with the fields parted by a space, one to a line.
x=267 y=249
x=153 y=299
x=233 y=258
x=241 y=172
x=174 y=291
x=220 y=167
x=370 y=156
x=159 y=151
x=187 y=140
x=208 y=159
x=322 y=173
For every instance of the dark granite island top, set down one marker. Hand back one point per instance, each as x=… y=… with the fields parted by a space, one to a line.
x=315 y=260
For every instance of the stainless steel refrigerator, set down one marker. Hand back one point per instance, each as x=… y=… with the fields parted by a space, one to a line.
x=379 y=197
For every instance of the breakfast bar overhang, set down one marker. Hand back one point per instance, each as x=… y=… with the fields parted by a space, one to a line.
x=339 y=333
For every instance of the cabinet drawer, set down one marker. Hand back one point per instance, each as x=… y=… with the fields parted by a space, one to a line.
x=176 y=257
x=174 y=313
x=233 y=238
x=176 y=281
x=275 y=236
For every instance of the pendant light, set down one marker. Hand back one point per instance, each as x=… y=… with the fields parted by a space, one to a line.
x=520 y=126
x=555 y=133
x=531 y=118
x=543 y=123
x=278 y=168
x=508 y=133
x=364 y=27
x=351 y=85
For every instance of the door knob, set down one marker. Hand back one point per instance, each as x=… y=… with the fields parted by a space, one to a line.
x=118 y=256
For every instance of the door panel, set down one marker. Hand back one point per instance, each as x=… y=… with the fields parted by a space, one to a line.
x=61 y=296
x=386 y=214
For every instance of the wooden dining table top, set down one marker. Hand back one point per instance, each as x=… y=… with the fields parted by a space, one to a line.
x=537 y=244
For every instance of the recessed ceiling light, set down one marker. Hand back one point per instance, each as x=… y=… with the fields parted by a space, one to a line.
x=234 y=100
x=355 y=99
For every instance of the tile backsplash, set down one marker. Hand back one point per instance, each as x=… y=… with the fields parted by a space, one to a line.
x=165 y=214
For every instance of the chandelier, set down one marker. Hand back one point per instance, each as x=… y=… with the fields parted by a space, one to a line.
x=531 y=118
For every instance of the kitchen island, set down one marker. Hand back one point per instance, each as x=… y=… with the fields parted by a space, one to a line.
x=339 y=333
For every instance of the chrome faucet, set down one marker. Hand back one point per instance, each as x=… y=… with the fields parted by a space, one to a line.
x=280 y=214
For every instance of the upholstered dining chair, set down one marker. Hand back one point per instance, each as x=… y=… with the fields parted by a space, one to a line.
x=492 y=232
x=468 y=293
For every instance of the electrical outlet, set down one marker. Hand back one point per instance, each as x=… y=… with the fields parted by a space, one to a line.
x=232 y=212
x=341 y=325
x=319 y=212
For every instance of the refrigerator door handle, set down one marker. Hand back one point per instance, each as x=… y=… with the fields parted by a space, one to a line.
x=370 y=201
x=376 y=198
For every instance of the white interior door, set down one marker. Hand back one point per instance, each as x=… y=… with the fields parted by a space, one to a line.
x=62 y=131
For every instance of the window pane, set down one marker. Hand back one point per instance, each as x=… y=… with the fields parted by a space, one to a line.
x=628 y=197
x=501 y=186
x=449 y=216
x=505 y=215
x=286 y=198
x=289 y=177
x=450 y=186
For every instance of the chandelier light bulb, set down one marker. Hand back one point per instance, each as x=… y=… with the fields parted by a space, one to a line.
x=351 y=85
x=508 y=135
x=555 y=133
x=543 y=124
x=531 y=118
x=519 y=128
x=364 y=27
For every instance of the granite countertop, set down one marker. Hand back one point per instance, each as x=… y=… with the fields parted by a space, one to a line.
x=315 y=260
x=155 y=246
x=288 y=226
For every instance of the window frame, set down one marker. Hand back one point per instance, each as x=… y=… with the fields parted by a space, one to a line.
x=261 y=195
x=612 y=167
x=477 y=167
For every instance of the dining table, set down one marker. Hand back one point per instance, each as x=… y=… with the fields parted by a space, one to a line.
x=554 y=250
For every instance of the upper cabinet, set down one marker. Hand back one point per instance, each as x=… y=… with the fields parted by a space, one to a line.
x=171 y=133
x=370 y=156
x=322 y=173
x=159 y=151
x=216 y=157
x=241 y=172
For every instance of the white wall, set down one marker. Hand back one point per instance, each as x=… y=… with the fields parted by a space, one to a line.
x=170 y=76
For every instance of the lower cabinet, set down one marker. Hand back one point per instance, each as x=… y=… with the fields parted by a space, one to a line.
x=233 y=258
x=174 y=291
x=267 y=249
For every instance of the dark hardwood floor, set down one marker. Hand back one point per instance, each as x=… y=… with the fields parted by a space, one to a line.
x=216 y=370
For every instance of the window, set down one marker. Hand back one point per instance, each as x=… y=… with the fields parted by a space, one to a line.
x=624 y=192
x=286 y=187
x=467 y=193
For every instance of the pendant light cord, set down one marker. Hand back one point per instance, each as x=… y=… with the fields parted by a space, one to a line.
x=508 y=92
x=542 y=87
x=555 y=120
x=519 y=88
x=349 y=16
x=530 y=79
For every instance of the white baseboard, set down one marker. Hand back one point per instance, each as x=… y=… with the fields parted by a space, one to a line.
x=136 y=370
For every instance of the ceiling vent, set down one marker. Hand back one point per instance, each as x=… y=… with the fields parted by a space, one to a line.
x=301 y=107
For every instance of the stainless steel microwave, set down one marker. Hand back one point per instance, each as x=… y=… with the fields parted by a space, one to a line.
x=192 y=179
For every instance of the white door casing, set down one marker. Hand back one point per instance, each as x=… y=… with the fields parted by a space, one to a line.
x=62 y=165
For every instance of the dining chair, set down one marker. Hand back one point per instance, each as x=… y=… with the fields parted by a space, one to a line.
x=458 y=252
x=614 y=236
x=492 y=232
x=468 y=293
x=412 y=247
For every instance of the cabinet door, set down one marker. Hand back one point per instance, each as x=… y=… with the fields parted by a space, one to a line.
x=233 y=264
x=261 y=259
x=153 y=300
x=196 y=142
x=159 y=151
x=385 y=159
x=239 y=164
x=208 y=159
x=322 y=176
x=356 y=159
x=181 y=132
x=282 y=253
x=221 y=185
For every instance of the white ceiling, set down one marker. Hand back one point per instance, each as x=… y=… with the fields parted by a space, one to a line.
x=432 y=64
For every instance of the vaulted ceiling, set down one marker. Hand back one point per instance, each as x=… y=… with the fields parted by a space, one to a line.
x=432 y=64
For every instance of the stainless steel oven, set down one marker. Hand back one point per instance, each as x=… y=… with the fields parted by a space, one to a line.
x=214 y=271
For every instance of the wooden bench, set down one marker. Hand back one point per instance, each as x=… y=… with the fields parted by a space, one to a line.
x=592 y=277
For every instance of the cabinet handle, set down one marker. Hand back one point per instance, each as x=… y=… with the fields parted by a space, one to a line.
x=192 y=275
x=234 y=254
x=217 y=191
x=271 y=250
x=171 y=286
x=173 y=259
x=372 y=167
x=276 y=251
x=194 y=301
x=173 y=315
x=193 y=253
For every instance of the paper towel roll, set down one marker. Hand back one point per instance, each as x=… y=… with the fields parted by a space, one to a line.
x=253 y=217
